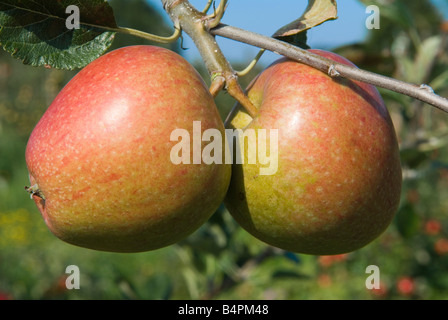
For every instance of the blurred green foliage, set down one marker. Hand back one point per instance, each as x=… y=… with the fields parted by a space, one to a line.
x=220 y=260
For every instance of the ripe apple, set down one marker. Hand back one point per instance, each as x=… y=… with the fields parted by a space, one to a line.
x=99 y=158
x=406 y=286
x=338 y=182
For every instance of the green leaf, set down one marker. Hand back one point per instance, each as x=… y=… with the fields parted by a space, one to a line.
x=299 y=40
x=419 y=152
x=35 y=32
x=289 y=274
x=440 y=82
x=413 y=158
x=157 y=287
x=426 y=56
x=317 y=12
x=407 y=221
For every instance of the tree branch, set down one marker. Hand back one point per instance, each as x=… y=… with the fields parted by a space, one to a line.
x=421 y=92
x=195 y=24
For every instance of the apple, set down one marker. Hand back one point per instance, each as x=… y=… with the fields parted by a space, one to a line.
x=99 y=158
x=338 y=182
x=406 y=286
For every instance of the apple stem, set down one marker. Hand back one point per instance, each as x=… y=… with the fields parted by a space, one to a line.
x=197 y=25
x=218 y=83
x=235 y=90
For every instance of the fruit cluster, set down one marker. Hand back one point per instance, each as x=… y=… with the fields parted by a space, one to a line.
x=102 y=178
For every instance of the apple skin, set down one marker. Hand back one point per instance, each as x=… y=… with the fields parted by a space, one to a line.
x=338 y=182
x=100 y=155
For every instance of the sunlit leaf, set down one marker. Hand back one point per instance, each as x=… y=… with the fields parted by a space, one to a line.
x=425 y=58
x=317 y=12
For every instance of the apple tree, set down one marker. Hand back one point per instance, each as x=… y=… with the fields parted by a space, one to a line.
x=311 y=207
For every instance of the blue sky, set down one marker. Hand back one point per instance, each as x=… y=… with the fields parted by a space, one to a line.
x=266 y=16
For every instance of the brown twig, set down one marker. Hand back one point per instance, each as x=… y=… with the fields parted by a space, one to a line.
x=196 y=24
x=421 y=92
